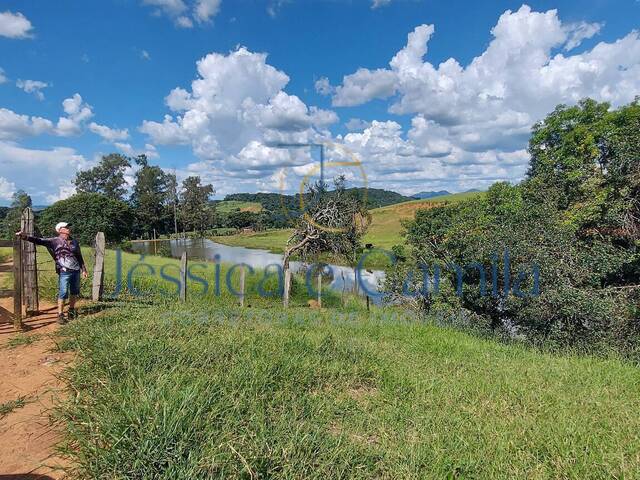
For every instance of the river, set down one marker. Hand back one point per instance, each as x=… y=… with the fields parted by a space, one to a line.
x=343 y=278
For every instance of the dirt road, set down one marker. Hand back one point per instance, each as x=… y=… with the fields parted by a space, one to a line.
x=29 y=387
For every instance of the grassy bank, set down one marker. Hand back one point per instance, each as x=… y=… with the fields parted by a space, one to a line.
x=384 y=232
x=167 y=391
x=272 y=240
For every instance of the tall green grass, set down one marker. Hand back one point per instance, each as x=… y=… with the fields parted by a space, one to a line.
x=202 y=391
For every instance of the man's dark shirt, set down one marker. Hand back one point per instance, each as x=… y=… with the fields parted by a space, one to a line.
x=66 y=253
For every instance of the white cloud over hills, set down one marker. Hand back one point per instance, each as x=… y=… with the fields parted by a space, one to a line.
x=469 y=124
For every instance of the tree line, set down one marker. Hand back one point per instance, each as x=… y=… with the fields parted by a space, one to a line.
x=154 y=205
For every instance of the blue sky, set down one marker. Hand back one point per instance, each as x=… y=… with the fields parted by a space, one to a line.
x=328 y=76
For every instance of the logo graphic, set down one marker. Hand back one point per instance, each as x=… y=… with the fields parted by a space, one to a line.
x=340 y=150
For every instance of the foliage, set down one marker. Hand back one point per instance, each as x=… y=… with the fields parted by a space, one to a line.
x=11 y=221
x=196 y=212
x=151 y=199
x=106 y=178
x=575 y=218
x=281 y=210
x=89 y=213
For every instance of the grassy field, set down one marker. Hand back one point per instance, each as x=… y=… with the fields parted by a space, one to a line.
x=227 y=206
x=272 y=240
x=208 y=390
x=384 y=232
x=202 y=391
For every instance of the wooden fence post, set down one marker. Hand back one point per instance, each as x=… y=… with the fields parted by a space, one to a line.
x=320 y=288
x=287 y=285
x=183 y=277
x=29 y=265
x=98 y=269
x=242 y=273
x=355 y=282
x=17 y=284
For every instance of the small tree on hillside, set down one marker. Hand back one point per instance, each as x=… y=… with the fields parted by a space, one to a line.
x=196 y=211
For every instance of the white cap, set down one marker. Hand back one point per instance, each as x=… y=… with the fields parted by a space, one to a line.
x=62 y=225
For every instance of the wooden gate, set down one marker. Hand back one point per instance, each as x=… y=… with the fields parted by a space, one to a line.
x=17 y=280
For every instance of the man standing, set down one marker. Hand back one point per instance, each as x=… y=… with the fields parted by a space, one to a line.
x=69 y=266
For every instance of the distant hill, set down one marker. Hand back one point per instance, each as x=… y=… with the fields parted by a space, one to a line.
x=227 y=206
x=423 y=195
x=376 y=197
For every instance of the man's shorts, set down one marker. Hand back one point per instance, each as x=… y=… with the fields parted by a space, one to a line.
x=68 y=282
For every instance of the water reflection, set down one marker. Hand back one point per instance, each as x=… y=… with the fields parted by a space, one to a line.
x=343 y=278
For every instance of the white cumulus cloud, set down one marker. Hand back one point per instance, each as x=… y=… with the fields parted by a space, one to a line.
x=77 y=113
x=184 y=13
x=46 y=174
x=32 y=86
x=107 y=133
x=235 y=110
x=15 y=25
x=477 y=117
x=7 y=189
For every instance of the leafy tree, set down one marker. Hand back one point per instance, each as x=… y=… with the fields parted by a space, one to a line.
x=11 y=221
x=197 y=213
x=575 y=217
x=173 y=200
x=106 y=178
x=89 y=213
x=240 y=219
x=151 y=198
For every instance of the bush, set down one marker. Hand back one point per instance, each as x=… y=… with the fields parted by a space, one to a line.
x=574 y=219
x=89 y=213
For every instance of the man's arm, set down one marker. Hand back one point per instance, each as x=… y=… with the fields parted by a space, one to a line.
x=83 y=267
x=45 y=242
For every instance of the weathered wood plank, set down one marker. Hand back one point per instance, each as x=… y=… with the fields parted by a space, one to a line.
x=287 y=285
x=29 y=265
x=17 y=284
x=98 y=268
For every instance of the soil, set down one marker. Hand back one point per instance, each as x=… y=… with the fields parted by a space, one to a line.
x=30 y=372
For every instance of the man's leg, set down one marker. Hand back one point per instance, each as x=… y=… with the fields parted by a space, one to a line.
x=74 y=291
x=63 y=286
